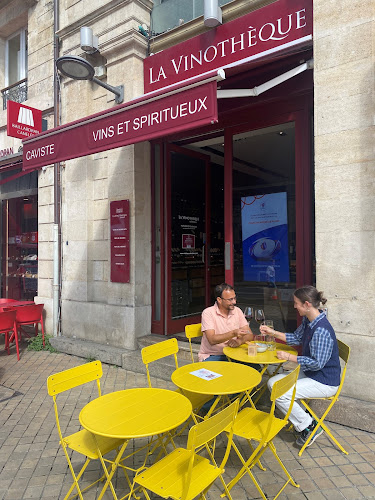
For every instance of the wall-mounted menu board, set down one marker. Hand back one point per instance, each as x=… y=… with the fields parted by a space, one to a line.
x=120 y=244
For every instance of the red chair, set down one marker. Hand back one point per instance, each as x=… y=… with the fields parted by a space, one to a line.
x=5 y=301
x=31 y=314
x=8 y=324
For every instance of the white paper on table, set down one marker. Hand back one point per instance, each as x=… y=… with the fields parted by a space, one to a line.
x=205 y=374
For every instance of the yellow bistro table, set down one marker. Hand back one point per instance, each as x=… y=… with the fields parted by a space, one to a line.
x=264 y=359
x=233 y=378
x=131 y=414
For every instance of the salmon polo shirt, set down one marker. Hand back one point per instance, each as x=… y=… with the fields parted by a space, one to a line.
x=213 y=319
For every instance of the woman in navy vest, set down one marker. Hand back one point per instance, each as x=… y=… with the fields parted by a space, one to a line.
x=319 y=363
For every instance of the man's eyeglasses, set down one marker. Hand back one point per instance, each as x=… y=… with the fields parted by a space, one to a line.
x=231 y=299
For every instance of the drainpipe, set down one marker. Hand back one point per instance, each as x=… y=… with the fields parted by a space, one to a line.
x=56 y=184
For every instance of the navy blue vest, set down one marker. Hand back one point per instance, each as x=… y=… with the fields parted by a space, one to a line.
x=330 y=373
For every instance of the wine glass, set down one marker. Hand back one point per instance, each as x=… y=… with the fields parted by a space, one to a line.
x=259 y=318
x=249 y=314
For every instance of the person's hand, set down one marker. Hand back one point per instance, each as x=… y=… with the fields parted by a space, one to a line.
x=283 y=355
x=244 y=336
x=238 y=332
x=234 y=342
x=266 y=330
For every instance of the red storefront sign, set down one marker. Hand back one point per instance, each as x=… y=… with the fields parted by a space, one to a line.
x=23 y=121
x=139 y=120
x=120 y=246
x=257 y=35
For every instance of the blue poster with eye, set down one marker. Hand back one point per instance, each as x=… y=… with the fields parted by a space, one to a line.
x=265 y=238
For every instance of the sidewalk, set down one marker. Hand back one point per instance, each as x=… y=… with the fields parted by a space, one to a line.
x=32 y=465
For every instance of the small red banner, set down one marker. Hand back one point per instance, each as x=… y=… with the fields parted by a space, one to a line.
x=120 y=246
x=23 y=121
x=133 y=122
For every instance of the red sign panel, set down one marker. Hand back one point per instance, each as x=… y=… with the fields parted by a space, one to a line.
x=23 y=121
x=259 y=34
x=133 y=122
x=120 y=246
x=188 y=241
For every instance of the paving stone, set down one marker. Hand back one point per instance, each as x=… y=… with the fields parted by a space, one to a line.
x=367 y=491
x=33 y=492
x=348 y=469
x=341 y=481
x=358 y=479
x=351 y=493
x=315 y=495
x=15 y=494
x=365 y=467
x=331 y=494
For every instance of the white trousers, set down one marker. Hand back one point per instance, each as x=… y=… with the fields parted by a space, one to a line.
x=306 y=388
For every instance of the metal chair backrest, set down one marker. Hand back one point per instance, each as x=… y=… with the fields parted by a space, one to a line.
x=281 y=387
x=7 y=320
x=193 y=331
x=30 y=313
x=158 y=351
x=73 y=377
x=344 y=353
x=200 y=435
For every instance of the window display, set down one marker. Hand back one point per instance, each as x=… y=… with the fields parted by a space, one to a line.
x=19 y=277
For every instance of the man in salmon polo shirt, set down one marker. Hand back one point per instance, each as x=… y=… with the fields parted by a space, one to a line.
x=223 y=324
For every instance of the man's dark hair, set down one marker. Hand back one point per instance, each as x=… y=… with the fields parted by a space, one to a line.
x=219 y=289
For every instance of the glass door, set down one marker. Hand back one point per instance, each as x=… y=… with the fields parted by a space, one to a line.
x=188 y=237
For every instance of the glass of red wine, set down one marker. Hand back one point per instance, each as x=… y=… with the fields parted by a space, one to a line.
x=259 y=318
x=249 y=314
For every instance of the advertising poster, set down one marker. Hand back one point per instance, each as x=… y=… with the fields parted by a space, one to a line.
x=265 y=238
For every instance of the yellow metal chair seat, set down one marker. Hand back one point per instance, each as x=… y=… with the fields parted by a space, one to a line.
x=254 y=424
x=83 y=442
x=173 y=467
x=184 y=473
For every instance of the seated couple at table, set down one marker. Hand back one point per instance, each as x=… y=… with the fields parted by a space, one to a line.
x=224 y=324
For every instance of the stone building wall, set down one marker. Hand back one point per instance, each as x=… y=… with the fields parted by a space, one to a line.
x=93 y=308
x=37 y=16
x=344 y=57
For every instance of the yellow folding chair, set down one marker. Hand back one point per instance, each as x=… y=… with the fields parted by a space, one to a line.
x=191 y=332
x=161 y=350
x=344 y=352
x=82 y=441
x=262 y=427
x=184 y=473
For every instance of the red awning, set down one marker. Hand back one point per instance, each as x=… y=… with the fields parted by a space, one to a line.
x=9 y=164
x=174 y=109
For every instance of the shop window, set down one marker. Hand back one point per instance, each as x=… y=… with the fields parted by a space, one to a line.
x=264 y=222
x=15 y=68
x=19 y=277
x=168 y=14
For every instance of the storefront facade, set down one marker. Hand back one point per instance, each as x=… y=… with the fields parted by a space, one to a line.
x=299 y=155
x=237 y=203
